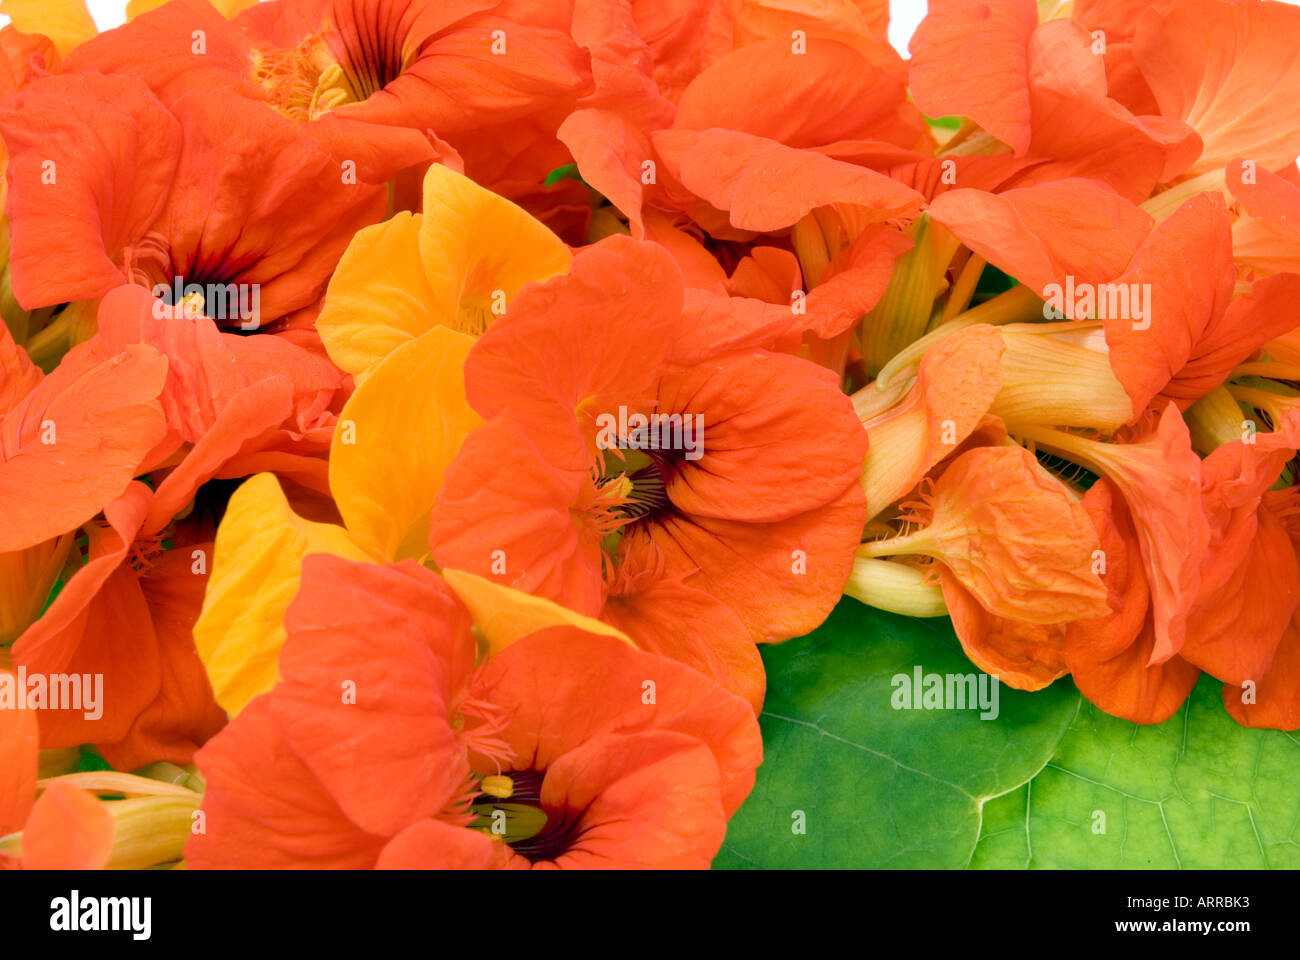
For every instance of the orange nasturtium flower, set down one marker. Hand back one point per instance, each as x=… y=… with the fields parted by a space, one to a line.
x=380 y=84
x=108 y=186
x=749 y=501
x=232 y=404
x=565 y=748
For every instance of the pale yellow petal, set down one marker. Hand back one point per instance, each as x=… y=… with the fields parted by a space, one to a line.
x=66 y=22
x=504 y=614
x=255 y=573
x=396 y=437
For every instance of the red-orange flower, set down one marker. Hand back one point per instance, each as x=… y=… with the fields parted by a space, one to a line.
x=557 y=729
x=751 y=502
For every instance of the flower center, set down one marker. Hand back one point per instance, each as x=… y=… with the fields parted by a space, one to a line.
x=510 y=807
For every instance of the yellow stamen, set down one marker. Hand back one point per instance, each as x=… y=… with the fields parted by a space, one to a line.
x=501 y=787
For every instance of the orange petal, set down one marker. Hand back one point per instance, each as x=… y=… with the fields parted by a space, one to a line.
x=1186 y=265
x=1110 y=656
x=774 y=437
x=765 y=186
x=18 y=760
x=376 y=658
x=970 y=59
x=68 y=830
x=1276 y=703
x=79 y=437
x=543 y=682
x=1042 y=234
x=265 y=809
x=1230 y=71
x=77 y=198
x=1024 y=656
x=436 y=845
x=648 y=800
x=958 y=380
x=1010 y=533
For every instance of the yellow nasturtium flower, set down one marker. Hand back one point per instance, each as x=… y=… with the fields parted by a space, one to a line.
x=458 y=264
x=400 y=313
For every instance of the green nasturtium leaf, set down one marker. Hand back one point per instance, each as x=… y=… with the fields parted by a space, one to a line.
x=1197 y=792
x=877 y=786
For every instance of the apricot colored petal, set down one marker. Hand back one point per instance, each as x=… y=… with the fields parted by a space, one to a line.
x=1045 y=233
x=78 y=437
x=543 y=683
x=398 y=435
x=459 y=84
x=255 y=574
x=765 y=186
x=718 y=324
x=66 y=22
x=1234 y=630
x=68 y=829
x=206 y=368
x=1251 y=320
x=505 y=615
x=289 y=208
x=860 y=24
x=375 y=659
x=521 y=526
x=115 y=640
x=610 y=151
x=774 y=437
x=700 y=269
x=1250 y=582
x=855 y=280
x=1160 y=479
x=264 y=809
x=1024 y=656
x=1084 y=131
x=157 y=45
x=1266 y=237
x=969 y=58
x=52 y=640
x=1230 y=71
x=648 y=800
x=91 y=159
